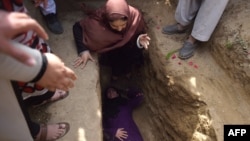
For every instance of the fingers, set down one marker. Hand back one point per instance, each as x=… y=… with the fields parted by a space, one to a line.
x=71 y=74
x=144 y=40
x=84 y=64
x=21 y=22
x=78 y=62
x=31 y=24
x=91 y=58
x=145 y=45
x=65 y=83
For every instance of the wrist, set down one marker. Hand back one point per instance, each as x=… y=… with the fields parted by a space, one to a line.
x=138 y=42
x=43 y=69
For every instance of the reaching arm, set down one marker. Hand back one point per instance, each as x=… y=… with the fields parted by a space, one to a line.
x=48 y=71
x=12 y=69
x=83 y=53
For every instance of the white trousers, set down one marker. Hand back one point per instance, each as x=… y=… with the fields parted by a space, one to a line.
x=205 y=13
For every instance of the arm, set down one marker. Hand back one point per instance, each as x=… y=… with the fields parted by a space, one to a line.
x=78 y=36
x=83 y=52
x=48 y=71
x=14 y=70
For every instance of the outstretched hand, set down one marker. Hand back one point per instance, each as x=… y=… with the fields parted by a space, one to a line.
x=83 y=59
x=57 y=75
x=12 y=24
x=144 y=40
x=121 y=134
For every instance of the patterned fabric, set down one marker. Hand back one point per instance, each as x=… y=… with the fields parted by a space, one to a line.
x=30 y=39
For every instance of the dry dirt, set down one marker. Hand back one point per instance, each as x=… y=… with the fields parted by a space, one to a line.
x=185 y=99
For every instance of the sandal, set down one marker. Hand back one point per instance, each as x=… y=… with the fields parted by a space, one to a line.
x=173 y=29
x=187 y=50
x=45 y=132
x=58 y=95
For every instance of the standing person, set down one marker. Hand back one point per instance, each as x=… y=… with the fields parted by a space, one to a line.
x=118 y=120
x=204 y=13
x=25 y=64
x=116 y=31
x=49 y=12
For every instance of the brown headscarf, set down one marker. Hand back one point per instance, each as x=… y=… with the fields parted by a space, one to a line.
x=99 y=37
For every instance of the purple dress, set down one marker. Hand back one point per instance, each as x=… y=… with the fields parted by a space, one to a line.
x=124 y=119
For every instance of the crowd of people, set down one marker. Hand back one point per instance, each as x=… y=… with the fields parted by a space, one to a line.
x=31 y=75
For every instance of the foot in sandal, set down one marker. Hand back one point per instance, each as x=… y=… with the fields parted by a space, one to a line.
x=52 y=132
x=58 y=95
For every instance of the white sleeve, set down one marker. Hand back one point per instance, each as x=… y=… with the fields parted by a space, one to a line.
x=138 y=43
x=11 y=69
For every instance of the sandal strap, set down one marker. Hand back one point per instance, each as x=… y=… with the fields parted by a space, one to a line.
x=43 y=130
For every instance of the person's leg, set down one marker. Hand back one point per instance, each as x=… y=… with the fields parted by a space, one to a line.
x=207 y=18
x=50 y=16
x=205 y=22
x=37 y=131
x=185 y=13
x=48 y=97
x=33 y=127
x=51 y=132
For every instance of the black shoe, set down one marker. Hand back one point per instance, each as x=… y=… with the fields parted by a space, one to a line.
x=53 y=24
x=187 y=50
x=173 y=29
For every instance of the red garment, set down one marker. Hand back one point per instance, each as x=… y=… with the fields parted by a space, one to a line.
x=98 y=35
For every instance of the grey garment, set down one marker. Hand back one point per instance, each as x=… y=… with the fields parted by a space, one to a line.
x=11 y=69
x=13 y=123
x=205 y=13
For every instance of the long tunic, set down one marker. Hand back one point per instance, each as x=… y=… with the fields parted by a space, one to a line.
x=124 y=119
x=13 y=123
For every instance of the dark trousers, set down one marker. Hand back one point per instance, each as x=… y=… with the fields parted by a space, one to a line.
x=33 y=126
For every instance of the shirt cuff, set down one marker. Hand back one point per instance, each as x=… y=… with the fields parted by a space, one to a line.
x=138 y=43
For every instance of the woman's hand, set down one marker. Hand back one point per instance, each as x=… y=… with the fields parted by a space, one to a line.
x=121 y=134
x=83 y=59
x=144 y=40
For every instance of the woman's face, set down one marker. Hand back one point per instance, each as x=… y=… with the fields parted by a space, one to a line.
x=112 y=93
x=118 y=25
